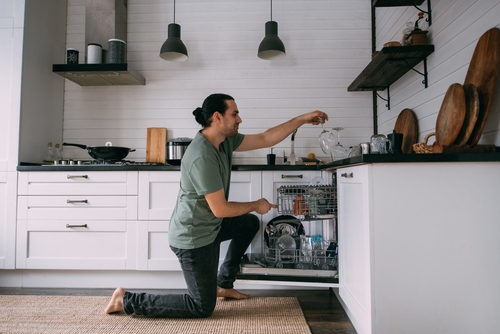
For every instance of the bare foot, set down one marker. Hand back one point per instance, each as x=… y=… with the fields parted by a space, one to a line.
x=231 y=293
x=116 y=302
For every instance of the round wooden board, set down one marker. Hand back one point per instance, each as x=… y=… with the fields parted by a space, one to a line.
x=483 y=73
x=406 y=123
x=471 y=113
x=451 y=115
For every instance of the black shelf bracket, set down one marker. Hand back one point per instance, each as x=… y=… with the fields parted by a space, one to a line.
x=388 y=99
x=425 y=82
x=428 y=12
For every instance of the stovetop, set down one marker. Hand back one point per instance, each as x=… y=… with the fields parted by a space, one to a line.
x=95 y=162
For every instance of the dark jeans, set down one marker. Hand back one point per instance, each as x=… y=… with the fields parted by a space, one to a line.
x=199 y=266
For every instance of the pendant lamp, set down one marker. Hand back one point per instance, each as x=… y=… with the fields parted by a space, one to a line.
x=173 y=49
x=271 y=46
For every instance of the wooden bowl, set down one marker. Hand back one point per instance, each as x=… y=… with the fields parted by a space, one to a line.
x=392 y=43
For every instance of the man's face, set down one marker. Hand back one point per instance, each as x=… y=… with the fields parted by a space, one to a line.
x=231 y=119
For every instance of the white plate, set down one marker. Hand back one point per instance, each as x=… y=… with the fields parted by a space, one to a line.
x=318 y=180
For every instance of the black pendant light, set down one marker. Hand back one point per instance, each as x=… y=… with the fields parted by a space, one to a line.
x=271 y=46
x=173 y=49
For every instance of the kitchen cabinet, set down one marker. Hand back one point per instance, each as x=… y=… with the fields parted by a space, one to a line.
x=8 y=182
x=354 y=206
x=418 y=247
x=77 y=220
x=157 y=196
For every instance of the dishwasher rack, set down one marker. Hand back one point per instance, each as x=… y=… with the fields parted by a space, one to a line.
x=308 y=201
x=318 y=258
x=313 y=203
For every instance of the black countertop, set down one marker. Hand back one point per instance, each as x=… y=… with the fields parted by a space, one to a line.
x=362 y=159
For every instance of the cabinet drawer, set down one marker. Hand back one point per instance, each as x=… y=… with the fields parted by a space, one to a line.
x=294 y=177
x=77 y=183
x=77 y=207
x=82 y=245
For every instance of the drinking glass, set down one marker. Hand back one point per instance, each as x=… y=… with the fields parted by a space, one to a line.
x=338 y=151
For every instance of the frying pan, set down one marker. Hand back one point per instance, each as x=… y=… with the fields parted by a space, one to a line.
x=107 y=152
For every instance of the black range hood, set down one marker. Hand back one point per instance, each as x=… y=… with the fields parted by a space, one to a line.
x=99 y=74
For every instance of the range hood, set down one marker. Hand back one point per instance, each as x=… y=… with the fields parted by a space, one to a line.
x=104 y=19
x=99 y=74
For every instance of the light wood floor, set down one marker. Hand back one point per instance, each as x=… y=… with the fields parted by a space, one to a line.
x=322 y=310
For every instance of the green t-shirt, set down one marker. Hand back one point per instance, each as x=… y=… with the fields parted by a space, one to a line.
x=204 y=170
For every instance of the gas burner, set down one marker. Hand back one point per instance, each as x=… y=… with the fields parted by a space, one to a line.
x=93 y=162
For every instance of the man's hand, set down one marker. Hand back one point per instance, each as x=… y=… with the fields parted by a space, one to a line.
x=263 y=206
x=315 y=117
x=221 y=208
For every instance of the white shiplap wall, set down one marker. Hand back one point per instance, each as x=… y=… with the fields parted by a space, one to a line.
x=327 y=41
x=456 y=27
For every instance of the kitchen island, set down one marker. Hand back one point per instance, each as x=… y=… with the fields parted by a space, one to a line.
x=418 y=236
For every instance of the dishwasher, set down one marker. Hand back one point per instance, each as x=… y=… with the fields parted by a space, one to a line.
x=300 y=244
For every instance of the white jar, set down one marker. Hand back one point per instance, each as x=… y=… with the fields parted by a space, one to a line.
x=94 y=53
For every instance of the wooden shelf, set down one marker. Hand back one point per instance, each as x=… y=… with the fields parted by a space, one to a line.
x=99 y=74
x=390 y=64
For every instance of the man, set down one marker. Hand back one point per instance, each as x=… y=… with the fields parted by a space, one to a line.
x=203 y=217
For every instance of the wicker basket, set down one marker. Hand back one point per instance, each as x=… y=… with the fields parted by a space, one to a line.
x=424 y=148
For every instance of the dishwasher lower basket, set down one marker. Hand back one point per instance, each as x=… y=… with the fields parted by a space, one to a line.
x=299 y=257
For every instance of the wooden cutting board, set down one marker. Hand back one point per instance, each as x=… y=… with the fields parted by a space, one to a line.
x=471 y=113
x=156 y=145
x=406 y=123
x=483 y=73
x=451 y=115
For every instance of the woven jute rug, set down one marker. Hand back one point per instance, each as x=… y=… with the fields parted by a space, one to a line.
x=84 y=314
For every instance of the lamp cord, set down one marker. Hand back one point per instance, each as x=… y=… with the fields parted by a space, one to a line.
x=174 y=11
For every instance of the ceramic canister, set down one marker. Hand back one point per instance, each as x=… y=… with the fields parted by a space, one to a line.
x=116 y=51
x=94 y=53
x=71 y=56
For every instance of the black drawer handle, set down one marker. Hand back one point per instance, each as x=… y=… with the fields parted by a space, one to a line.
x=71 y=226
x=347 y=175
x=71 y=201
x=284 y=176
x=78 y=176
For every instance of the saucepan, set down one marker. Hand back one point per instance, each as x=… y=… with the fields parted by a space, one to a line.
x=108 y=152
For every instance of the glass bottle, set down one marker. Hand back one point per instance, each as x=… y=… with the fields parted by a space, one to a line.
x=407 y=34
x=57 y=152
x=50 y=152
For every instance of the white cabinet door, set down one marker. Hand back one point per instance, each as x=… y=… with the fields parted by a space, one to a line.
x=8 y=181
x=157 y=197
x=157 y=194
x=246 y=186
x=355 y=214
x=156 y=201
